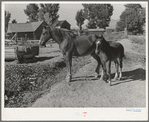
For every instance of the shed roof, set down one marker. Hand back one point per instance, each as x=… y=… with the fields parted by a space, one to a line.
x=23 y=27
x=59 y=23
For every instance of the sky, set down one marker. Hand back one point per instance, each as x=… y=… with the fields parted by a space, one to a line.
x=67 y=11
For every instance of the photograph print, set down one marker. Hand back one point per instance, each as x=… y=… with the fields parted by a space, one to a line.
x=75 y=55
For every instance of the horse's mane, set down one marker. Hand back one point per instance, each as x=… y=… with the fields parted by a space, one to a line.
x=104 y=45
x=63 y=33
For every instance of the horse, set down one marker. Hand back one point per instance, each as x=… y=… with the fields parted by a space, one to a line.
x=109 y=51
x=71 y=45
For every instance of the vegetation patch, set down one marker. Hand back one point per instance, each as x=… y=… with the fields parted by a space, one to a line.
x=115 y=36
x=137 y=39
x=24 y=83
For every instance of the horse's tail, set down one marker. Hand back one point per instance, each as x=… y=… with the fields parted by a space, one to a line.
x=122 y=54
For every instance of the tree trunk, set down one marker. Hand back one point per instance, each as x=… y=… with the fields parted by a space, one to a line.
x=80 y=26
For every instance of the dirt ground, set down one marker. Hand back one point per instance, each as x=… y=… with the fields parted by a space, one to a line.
x=87 y=91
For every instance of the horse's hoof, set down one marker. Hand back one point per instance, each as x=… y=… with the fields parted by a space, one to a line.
x=101 y=79
x=119 y=78
x=68 y=80
x=97 y=76
x=110 y=83
x=115 y=79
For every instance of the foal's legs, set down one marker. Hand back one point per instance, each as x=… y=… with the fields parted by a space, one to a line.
x=109 y=71
x=68 y=58
x=121 y=66
x=96 y=57
x=117 y=69
x=104 y=72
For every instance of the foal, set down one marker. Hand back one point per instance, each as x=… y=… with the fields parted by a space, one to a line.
x=109 y=51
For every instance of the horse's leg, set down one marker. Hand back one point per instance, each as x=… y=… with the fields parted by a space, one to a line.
x=101 y=78
x=109 y=71
x=96 y=57
x=121 y=66
x=104 y=74
x=69 y=64
x=117 y=68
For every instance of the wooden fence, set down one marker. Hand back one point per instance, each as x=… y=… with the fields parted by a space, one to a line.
x=10 y=53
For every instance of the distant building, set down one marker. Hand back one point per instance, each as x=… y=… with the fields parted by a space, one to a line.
x=62 y=24
x=33 y=29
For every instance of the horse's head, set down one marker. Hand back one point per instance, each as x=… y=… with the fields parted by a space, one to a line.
x=45 y=35
x=98 y=43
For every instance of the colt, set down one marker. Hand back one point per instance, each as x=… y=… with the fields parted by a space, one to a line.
x=109 y=51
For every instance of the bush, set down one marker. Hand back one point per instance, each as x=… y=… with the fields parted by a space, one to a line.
x=22 y=78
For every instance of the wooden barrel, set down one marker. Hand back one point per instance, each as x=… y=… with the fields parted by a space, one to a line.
x=35 y=50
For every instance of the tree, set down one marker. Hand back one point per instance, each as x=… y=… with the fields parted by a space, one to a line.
x=98 y=15
x=132 y=18
x=120 y=26
x=80 y=19
x=7 y=19
x=48 y=13
x=14 y=21
x=31 y=11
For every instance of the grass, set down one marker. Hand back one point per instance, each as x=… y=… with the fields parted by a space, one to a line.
x=137 y=39
x=115 y=36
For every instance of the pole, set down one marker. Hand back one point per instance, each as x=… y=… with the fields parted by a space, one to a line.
x=16 y=36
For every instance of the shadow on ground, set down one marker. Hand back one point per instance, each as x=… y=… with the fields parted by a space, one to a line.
x=43 y=58
x=82 y=78
x=128 y=76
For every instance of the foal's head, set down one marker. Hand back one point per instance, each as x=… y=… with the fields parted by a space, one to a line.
x=45 y=35
x=99 y=41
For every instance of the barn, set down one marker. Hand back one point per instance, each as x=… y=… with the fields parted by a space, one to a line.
x=33 y=29
x=62 y=24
